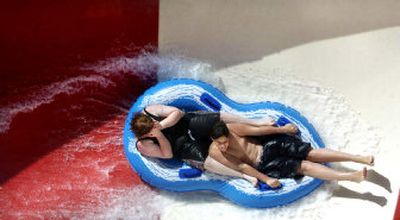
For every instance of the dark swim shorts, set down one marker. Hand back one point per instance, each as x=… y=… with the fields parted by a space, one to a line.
x=282 y=155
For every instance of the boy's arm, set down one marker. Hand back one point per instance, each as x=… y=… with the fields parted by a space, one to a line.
x=250 y=130
x=210 y=164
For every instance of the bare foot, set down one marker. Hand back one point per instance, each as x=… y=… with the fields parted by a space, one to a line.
x=370 y=160
x=359 y=175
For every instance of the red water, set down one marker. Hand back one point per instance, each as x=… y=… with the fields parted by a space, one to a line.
x=61 y=153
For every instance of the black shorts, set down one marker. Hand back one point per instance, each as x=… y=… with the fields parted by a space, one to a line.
x=282 y=155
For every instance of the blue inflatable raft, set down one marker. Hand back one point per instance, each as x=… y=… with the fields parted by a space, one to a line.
x=192 y=95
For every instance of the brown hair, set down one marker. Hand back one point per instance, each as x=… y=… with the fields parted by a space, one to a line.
x=141 y=124
x=219 y=129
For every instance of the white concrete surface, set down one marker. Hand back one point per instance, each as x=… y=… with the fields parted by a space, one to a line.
x=349 y=47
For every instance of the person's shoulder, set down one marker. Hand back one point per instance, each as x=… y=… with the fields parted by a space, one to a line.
x=213 y=149
x=212 y=146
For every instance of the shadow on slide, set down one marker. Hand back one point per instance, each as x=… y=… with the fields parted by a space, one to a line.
x=373 y=177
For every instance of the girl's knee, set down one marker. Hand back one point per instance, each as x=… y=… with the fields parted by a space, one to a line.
x=311 y=152
x=305 y=165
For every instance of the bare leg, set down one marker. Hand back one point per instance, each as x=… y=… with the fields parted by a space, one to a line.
x=229 y=118
x=320 y=171
x=327 y=155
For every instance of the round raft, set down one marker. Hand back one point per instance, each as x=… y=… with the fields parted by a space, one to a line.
x=192 y=95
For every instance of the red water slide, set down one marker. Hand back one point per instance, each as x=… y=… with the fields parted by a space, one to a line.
x=61 y=153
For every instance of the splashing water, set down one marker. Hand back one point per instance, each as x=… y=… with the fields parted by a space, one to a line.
x=169 y=66
x=46 y=95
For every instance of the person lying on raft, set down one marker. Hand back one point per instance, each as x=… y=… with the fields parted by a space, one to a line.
x=166 y=131
x=269 y=153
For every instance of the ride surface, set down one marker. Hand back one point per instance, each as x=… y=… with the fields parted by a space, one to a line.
x=61 y=151
x=60 y=128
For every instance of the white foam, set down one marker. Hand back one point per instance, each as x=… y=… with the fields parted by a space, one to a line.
x=167 y=67
x=107 y=73
x=46 y=95
x=131 y=203
x=118 y=67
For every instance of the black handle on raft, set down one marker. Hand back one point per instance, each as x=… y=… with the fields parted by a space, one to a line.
x=210 y=101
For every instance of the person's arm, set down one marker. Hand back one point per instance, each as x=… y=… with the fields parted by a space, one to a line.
x=150 y=149
x=172 y=114
x=237 y=165
x=250 y=130
x=233 y=118
x=210 y=164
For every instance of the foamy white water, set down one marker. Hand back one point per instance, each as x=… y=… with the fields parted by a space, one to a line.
x=139 y=203
x=46 y=95
x=169 y=66
x=108 y=73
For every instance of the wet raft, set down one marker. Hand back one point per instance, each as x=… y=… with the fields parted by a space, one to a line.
x=192 y=95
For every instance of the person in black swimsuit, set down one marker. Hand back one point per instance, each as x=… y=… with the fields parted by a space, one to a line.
x=189 y=137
